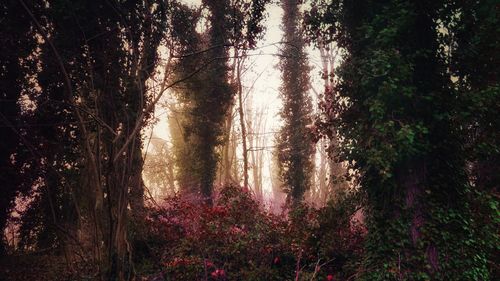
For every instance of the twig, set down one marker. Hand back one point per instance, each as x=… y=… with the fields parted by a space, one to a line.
x=297 y=267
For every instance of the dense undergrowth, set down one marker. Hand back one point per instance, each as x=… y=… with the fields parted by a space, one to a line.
x=235 y=238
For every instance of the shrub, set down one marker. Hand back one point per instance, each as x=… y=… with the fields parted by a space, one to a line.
x=236 y=239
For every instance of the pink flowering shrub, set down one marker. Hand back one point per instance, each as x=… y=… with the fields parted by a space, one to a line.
x=235 y=239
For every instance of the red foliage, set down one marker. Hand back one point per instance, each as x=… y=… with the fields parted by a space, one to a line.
x=236 y=239
x=218 y=274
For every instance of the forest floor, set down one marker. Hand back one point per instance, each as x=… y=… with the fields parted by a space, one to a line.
x=33 y=268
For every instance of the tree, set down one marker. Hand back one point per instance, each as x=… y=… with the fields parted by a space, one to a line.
x=207 y=96
x=93 y=95
x=295 y=145
x=330 y=172
x=256 y=124
x=184 y=116
x=228 y=170
x=158 y=169
x=396 y=113
x=16 y=45
x=471 y=46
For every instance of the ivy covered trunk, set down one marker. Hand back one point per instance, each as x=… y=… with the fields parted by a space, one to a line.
x=295 y=148
x=397 y=113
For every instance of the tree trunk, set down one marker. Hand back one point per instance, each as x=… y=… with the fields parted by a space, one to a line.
x=242 y=120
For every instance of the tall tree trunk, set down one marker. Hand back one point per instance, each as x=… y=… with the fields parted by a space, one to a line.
x=295 y=145
x=225 y=175
x=242 y=117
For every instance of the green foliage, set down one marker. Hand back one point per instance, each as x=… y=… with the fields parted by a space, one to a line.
x=399 y=115
x=295 y=147
x=205 y=93
x=203 y=101
x=473 y=52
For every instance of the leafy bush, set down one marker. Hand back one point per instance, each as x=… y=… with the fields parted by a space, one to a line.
x=236 y=239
